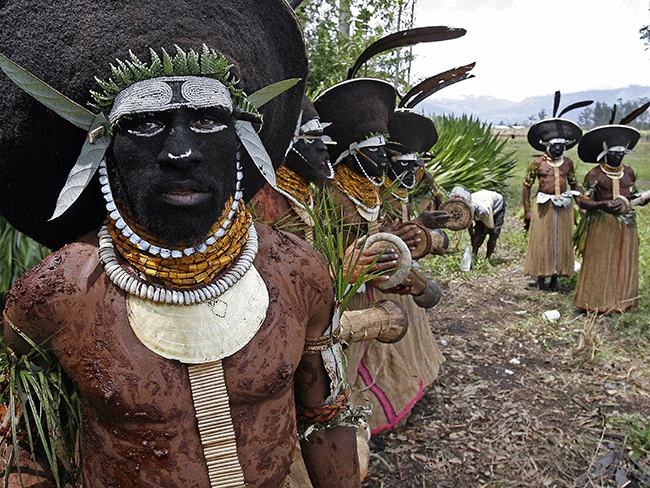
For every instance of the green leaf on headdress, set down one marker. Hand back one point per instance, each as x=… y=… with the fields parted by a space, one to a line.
x=84 y=169
x=156 y=65
x=180 y=62
x=48 y=96
x=260 y=97
x=168 y=66
x=255 y=148
x=141 y=70
x=193 y=62
x=127 y=72
x=207 y=62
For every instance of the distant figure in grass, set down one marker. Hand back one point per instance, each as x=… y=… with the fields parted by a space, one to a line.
x=489 y=213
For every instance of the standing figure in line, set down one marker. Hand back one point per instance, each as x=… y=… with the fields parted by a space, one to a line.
x=607 y=234
x=197 y=340
x=551 y=219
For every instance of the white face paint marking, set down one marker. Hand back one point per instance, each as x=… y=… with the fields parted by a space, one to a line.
x=182 y=156
x=208 y=130
x=140 y=133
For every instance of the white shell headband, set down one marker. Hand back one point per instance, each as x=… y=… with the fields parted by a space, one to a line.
x=373 y=141
x=168 y=93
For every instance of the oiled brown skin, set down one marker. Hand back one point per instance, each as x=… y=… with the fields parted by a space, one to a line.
x=139 y=423
x=272 y=208
x=604 y=190
x=546 y=176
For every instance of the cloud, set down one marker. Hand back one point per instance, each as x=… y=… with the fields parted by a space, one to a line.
x=529 y=48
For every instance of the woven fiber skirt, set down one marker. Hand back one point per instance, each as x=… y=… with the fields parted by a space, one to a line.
x=550 y=251
x=609 y=276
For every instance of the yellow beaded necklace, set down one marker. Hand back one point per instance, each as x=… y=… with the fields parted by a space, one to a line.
x=294 y=186
x=356 y=186
x=197 y=268
x=397 y=190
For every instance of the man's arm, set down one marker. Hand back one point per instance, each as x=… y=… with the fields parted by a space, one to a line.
x=525 y=194
x=330 y=454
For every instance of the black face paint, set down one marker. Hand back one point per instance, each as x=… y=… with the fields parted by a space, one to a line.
x=310 y=159
x=614 y=158
x=373 y=160
x=404 y=171
x=174 y=171
x=556 y=150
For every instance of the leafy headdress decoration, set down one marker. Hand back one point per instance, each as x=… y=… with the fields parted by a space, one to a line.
x=209 y=63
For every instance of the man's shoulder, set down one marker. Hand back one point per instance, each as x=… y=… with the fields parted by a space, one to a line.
x=273 y=238
x=538 y=160
x=58 y=267
x=293 y=266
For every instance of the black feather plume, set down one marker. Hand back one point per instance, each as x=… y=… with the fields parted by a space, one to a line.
x=574 y=106
x=403 y=38
x=556 y=103
x=435 y=83
x=634 y=114
x=611 y=120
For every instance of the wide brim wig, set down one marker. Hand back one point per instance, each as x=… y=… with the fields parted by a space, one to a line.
x=356 y=109
x=69 y=43
x=546 y=130
x=593 y=143
x=415 y=132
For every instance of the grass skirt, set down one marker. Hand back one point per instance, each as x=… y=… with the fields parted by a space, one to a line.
x=609 y=276
x=550 y=251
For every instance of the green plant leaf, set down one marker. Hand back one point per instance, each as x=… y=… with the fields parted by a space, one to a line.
x=264 y=95
x=256 y=150
x=48 y=96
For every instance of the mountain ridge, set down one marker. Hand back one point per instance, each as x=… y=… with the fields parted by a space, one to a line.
x=498 y=111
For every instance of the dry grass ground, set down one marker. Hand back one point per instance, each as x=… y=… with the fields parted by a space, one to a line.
x=522 y=401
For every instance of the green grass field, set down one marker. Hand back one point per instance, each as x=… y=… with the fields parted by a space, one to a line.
x=639 y=160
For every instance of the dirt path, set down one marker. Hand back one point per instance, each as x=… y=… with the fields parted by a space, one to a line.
x=520 y=402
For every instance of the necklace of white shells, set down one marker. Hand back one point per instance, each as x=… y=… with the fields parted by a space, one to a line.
x=138 y=285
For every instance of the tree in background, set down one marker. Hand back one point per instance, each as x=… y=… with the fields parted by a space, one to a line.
x=337 y=32
x=601 y=114
x=645 y=35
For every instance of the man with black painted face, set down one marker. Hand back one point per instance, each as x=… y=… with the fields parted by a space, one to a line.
x=181 y=196
x=290 y=204
x=551 y=220
x=188 y=330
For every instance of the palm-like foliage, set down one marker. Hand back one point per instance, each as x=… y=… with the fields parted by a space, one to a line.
x=18 y=253
x=468 y=154
x=41 y=412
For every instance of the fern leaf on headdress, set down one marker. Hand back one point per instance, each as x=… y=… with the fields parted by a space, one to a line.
x=138 y=68
x=156 y=67
x=193 y=62
x=125 y=73
x=168 y=66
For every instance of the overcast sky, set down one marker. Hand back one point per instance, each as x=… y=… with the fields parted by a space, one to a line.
x=526 y=48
